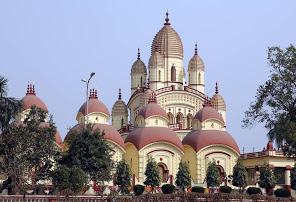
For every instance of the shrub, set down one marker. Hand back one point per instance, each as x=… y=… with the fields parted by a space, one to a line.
x=198 y=189
x=168 y=188
x=138 y=189
x=282 y=193
x=225 y=189
x=253 y=190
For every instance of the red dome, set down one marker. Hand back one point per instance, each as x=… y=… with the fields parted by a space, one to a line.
x=141 y=137
x=30 y=100
x=152 y=109
x=199 y=139
x=208 y=112
x=57 y=136
x=110 y=132
x=94 y=105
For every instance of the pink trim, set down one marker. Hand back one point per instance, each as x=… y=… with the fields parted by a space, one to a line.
x=217 y=153
x=161 y=150
x=288 y=167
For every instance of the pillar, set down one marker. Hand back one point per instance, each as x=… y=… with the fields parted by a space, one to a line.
x=287 y=177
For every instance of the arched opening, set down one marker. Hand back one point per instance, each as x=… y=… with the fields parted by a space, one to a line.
x=171 y=118
x=179 y=118
x=141 y=82
x=173 y=73
x=222 y=174
x=189 y=120
x=164 y=172
x=159 y=75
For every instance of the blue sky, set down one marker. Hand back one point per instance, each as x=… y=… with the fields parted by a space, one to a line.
x=57 y=43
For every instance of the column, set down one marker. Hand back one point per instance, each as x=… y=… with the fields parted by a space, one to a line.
x=287 y=177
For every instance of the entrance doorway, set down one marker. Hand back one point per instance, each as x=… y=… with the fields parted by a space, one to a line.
x=164 y=172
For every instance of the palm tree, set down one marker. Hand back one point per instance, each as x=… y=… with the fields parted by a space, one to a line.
x=9 y=107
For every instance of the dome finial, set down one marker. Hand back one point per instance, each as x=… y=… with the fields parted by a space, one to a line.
x=167 y=19
x=152 y=98
x=195 y=49
x=93 y=94
x=31 y=88
x=216 y=88
x=119 y=95
x=139 y=54
x=148 y=84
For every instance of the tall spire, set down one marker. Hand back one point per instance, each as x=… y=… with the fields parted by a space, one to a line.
x=195 y=53
x=167 y=19
x=139 y=54
x=216 y=88
x=119 y=95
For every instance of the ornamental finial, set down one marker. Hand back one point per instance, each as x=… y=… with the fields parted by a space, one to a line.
x=139 y=54
x=167 y=19
x=216 y=88
x=195 y=53
x=119 y=95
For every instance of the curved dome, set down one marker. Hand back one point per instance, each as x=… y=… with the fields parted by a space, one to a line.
x=94 y=105
x=110 y=132
x=196 y=64
x=138 y=67
x=141 y=137
x=30 y=100
x=199 y=139
x=208 y=112
x=168 y=42
x=156 y=60
x=145 y=97
x=152 y=109
x=218 y=102
x=57 y=136
x=119 y=108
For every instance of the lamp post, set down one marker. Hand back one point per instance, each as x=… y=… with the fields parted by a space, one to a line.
x=87 y=82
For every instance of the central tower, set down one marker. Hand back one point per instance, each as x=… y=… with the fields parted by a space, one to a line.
x=166 y=61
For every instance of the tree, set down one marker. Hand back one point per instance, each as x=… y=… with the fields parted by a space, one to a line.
x=275 y=103
x=123 y=176
x=9 y=107
x=183 y=176
x=29 y=146
x=239 y=175
x=293 y=177
x=152 y=174
x=213 y=175
x=68 y=178
x=90 y=152
x=267 y=179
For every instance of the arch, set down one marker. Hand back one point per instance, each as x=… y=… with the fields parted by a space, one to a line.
x=189 y=120
x=141 y=81
x=179 y=117
x=159 y=75
x=171 y=118
x=173 y=73
x=164 y=172
x=221 y=174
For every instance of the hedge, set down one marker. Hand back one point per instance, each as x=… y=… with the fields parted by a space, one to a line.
x=138 y=189
x=168 y=188
x=198 y=189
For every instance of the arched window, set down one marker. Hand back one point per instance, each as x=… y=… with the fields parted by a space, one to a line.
x=189 y=120
x=141 y=81
x=179 y=117
x=171 y=118
x=159 y=75
x=173 y=73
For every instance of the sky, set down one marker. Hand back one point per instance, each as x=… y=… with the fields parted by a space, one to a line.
x=57 y=43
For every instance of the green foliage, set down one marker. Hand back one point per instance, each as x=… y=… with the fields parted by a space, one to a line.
x=213 y=175
x=152 y=174
x=275 y=103
x=90 y=152
x=225 y=189
x=123 y=176
x=198 y=189
x=293 y=177
x=253 y=190
x=138 y=189
x=239 y=175
x=168 y=188
x=282 y=193
x=267 y=178
x=28 y=146
x=68 y=178
x=183 y=176
x=9 y=107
